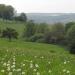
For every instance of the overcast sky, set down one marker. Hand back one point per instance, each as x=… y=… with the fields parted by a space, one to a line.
x=42 y=6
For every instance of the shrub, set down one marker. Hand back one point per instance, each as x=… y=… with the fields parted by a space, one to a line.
x=41 y=40
x=70 y=37
x=10 y=33
x=29 y=29
x=36 y=37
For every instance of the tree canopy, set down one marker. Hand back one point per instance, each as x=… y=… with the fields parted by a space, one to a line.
x=6 y=12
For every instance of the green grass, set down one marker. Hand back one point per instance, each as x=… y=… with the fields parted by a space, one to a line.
x=18 y=26
x=34 y=59
x=27 y=58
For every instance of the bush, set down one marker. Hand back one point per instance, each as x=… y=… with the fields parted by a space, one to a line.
x=10 y=34
x=70 y=37
x=36 y=37
x=41 y=40
x=72 y=49
x=29 y=29
x=58 y=32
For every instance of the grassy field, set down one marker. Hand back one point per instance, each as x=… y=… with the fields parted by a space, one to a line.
x=18 y=26
x=26 y=58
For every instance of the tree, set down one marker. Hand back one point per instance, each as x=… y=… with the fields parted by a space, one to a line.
x=37 y=37
x=58 y=32
x=22 y=17
x=29 y=29
x=70 y=37
x=68 y=25
x=2 y=10
x=6 y=12
x=10 y=34
x=0 y=32
x=42 y=28
x=48 y=37
x=9 y=12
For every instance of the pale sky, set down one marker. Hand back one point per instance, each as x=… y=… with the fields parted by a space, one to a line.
x=42 y=6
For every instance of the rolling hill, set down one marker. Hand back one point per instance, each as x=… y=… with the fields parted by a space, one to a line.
x=51 y=18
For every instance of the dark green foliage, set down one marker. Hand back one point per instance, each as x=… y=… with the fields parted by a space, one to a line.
x=42 y=28
x=6 y=12
x=72 y=49
x=41 y=40
x=69 y=25
x=10 y=34
x=22 y=17
x=29 y=29
x=58 y=32
x=47 y=37
x=70 y=37
x=0 y=32
x=36 y=37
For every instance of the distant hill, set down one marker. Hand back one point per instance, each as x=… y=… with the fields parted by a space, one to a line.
x=51 y=17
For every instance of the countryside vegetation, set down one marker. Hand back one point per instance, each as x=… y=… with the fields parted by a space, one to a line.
x=28 y=48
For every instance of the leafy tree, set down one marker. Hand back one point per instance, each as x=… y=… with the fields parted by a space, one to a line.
x=58 y=32
x=10 y=34
x=6 y=12
x=29 y=29
x=42 y=28
x=36 y=37
x=0 y=32
x=68 y=25
x=9 y=12
x=48 y=37
x=2 y=10
x=70 y=37
x=22 y=17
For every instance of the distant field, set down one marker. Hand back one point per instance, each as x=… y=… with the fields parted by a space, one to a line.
x=19 y=26
x=26 y=58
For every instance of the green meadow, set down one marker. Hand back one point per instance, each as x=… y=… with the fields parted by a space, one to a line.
x=18 y=26
x=26 y=58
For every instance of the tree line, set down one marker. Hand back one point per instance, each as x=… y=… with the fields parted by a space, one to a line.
x=58 y=33
x=7 y=12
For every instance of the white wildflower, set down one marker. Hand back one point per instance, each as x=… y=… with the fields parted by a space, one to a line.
x=31 y=65
x=2 y=70
x=23 y=64
x=13 y=63
x=10 y=73
x=18 y=70
x=36 y=65
x=4 y=64
x=23 y=73
x=7 y=50
x=49 y=71
x=8 y=64
x=8 y=68
x=49 y=62
x=13 y=58
x=35 y=56
x=68 y=71
x=31 y=61
x=42 y=57
x=13 y=69
x=35 y=70
x=38 y=73
x=64 y=70
x=65 y=62
x=13 y=66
